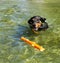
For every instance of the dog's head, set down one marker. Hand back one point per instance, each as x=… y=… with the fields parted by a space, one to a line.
x=36 y=21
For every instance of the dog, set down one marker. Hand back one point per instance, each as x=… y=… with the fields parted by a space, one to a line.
x=37 y=23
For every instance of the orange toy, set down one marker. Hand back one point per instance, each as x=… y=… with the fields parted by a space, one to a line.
x=33 y=44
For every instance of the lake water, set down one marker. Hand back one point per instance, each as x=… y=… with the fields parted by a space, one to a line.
x=14 y=15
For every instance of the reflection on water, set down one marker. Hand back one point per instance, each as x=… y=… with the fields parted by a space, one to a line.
x=13 y=24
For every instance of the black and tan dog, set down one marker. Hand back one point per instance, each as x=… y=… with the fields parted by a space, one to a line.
x=37 y=23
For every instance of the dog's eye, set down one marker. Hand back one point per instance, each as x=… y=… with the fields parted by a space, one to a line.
x=38 y=19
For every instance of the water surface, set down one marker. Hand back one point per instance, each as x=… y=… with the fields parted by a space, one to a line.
x=14 y=15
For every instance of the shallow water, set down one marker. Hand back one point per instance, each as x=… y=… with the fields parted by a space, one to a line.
x=14 y=15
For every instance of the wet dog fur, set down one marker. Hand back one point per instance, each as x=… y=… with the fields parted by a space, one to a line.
x=38 y=23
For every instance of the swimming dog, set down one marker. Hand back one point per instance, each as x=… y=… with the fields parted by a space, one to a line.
x=38 y=23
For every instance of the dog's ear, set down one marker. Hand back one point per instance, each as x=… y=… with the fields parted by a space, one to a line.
x=30 y=21
x=42 y=19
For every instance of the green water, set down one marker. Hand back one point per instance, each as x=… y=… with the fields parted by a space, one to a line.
x=14 y=15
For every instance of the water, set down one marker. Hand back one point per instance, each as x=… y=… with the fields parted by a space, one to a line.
x=14 y=15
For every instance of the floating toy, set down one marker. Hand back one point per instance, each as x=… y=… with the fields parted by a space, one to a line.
x=32 y=44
